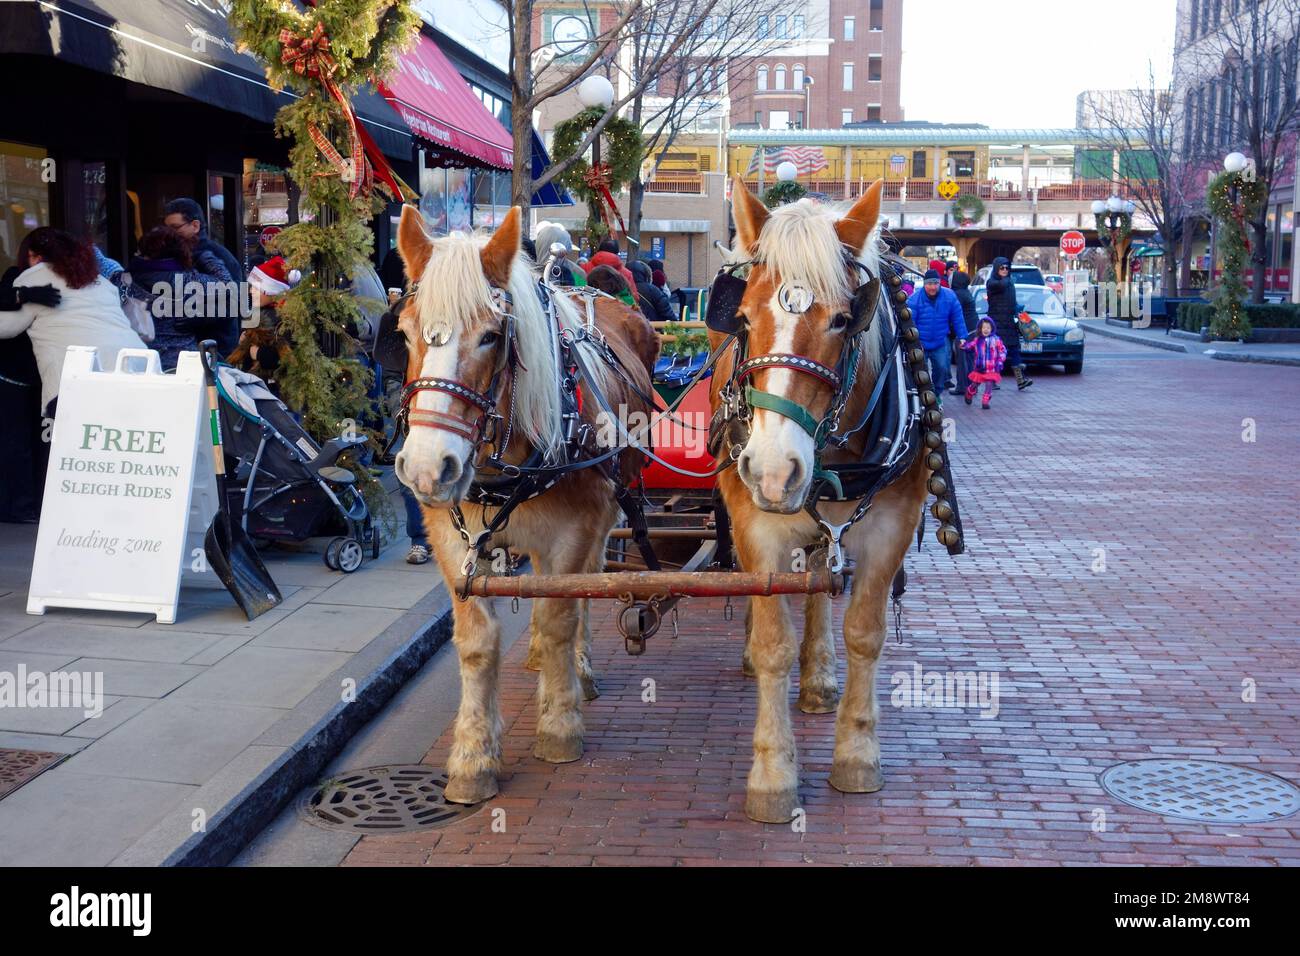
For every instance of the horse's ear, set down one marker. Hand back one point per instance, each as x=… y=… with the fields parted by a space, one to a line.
x=413 y=243
x=498 y=255
x=750 y=214
x=854 y=228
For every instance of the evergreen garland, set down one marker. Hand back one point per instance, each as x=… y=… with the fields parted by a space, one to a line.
x=785 y=191
x=968 y=208
x=622 y=149
x=334 y=237
x=1118 y=241
x=1230 y=320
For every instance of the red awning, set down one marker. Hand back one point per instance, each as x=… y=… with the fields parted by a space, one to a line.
x=438 y=105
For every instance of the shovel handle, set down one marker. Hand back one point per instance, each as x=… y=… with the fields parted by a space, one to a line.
x=209 y=349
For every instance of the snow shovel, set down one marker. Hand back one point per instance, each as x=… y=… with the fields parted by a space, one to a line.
x=230 y=552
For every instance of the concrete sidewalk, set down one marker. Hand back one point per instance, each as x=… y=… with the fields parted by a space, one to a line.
x=1267 y=353
x=209 y=723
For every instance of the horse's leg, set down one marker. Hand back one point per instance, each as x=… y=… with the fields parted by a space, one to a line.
x=818 y=690
x=879 y=543
x=533 y=661
x=476 y=746
x=582 y=653
x=559 y=691
x=746 y=662
x=772 y=793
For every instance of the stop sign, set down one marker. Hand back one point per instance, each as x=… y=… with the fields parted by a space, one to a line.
x=1073 y=243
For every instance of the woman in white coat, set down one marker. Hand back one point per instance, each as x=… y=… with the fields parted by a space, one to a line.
x=89 y=310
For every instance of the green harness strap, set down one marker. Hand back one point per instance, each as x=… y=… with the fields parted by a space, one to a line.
x=782 y=406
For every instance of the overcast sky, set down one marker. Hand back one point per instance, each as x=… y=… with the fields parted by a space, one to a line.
x=1023 y=62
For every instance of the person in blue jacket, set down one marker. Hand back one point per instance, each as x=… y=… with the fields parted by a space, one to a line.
x=937 y=314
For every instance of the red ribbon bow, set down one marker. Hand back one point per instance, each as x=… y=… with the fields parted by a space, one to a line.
x=308 y=55
x=598 y=179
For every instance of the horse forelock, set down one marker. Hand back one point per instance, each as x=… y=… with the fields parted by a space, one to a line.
x=799 y=243
x=454 y=296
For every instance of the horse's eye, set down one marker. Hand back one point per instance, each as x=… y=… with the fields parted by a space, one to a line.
x=839 y=321
x=489 y=338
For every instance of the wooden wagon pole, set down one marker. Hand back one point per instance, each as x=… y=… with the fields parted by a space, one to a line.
x=644 y=585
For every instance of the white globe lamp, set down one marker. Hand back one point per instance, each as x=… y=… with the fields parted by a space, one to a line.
x=1115 y=204
x=595 y=91
x=1098 y=207
x=786 y=172
x=1234 y=162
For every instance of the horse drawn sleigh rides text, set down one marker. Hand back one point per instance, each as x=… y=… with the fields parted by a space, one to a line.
x=825 y=429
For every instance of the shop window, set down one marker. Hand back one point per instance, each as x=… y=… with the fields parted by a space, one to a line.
x=963 y=164
x=918 y=164
x=24 y=196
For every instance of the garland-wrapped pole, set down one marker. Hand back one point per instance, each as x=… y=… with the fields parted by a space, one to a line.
x=324 y=53
x=1233 y=201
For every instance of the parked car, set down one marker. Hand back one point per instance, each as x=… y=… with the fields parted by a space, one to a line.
x=1055 y=282
x=1062 y=340
x=1020 y=275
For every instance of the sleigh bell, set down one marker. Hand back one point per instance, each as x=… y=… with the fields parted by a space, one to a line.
x=947 y=535
x=942 y=511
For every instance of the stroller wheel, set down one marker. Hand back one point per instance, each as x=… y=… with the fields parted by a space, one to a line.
x=331 y=555
x=350 y=555
x=374 y=543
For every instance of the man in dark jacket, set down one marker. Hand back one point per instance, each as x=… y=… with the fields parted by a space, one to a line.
x=186 y=217
x=654 y=303
x=937 y=314
x=960 y=284
x=1004 y=312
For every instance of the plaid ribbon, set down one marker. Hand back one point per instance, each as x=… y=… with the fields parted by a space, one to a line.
x=598 y=178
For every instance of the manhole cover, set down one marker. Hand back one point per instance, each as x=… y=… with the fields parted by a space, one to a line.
x=17 y=767
x=1202 y=790
x=385 y=800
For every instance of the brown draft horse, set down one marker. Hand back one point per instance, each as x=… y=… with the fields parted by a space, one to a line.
x=802 y=243
x=455 y=328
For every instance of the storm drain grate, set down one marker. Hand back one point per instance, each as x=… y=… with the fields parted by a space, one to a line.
x=18 y=767
x=1202 y=790
x=402 y=799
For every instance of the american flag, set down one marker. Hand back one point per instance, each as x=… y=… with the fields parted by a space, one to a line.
x=806 y=159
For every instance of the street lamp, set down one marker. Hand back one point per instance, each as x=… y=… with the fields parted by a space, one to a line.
x=786 y=172
x=807 y=102
x=1118 y=216
x=596 y=92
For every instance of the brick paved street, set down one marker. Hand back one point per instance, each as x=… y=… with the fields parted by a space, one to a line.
x=1142 y=456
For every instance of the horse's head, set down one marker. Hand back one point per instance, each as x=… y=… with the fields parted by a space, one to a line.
x=803 y=307
x=466 y=333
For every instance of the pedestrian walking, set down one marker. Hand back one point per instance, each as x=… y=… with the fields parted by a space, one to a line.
x=988 y=355
x=960 y=285
x=937 y=313
x=1005 y=313
x=186 y=217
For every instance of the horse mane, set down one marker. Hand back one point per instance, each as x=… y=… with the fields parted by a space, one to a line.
x=453 y=293
x=799 y=243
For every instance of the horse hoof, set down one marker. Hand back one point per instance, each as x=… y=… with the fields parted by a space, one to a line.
x=856 y=778
x=590 y=689
x=776 y=807
x=553 y=749
x=747 y=667
x=471 y=790
x=818 y=700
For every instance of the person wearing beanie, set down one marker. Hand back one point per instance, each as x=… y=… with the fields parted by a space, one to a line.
x=940 y=269
x=654 y=303
x=607 y=255
x=567 y=272
x=937 y=314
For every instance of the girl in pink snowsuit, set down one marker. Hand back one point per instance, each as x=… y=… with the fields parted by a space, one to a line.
x=989 y=356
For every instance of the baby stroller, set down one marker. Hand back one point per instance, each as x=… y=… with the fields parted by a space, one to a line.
x=284 y=486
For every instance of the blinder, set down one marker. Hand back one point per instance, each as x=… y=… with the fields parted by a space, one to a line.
x=725 y=295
